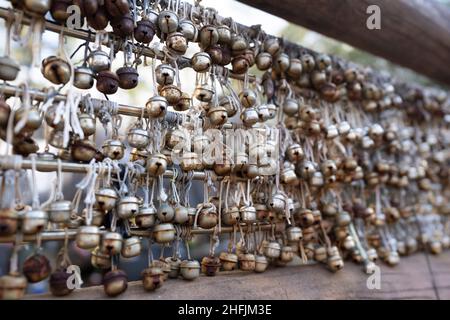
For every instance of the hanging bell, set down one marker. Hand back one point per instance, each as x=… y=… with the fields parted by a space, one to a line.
x=100 y=260
x=165 y=74
x=230 y=107
x=128 y=77
x=263 y=61
x=278 y=203
x=146 y=217
x=184 y=103
x=261 y=263
x=210 y=266
x=290 y=107
x=272 y=46
x=152 y=278
x=87 y=124
x=294 y=234
x=176 y=43
x=59 y=211
x=88 y=237
x=263 y=112
x=201 y=62
x=113 y=149
x=204 y=93
x=107 y=82
x=343 y=219
x=156 y=164
x=138 y=138
x=228 y=261
x=9 y=69
x=188 y=29
x=172 y=93
x=248 y=98
x=131 y=247
x=106 y=199
x=36 y=268
x=168 y=21
x=240 y=64
x=208 y=36
x=272 y=250
x=12 y=287
x=174 y=267
x=207 y=217
x=144 y=31
x=316 y=179
x=231 y=216
x=164 y=233
x=8 y=222
x=249 y=116
x=83 y=78
x=83 y=150
x=181 y=214
x=156 y=106
x=165 y=212
x=98 y=19
x=111 y=243
x=190 y=269
x=38 y=6
x=287 y=174
x=117 y=8
x=115 y=282
x=123 y=26
x=34 y=221
x=99 y=60
x=287 y=254
x=56 y=70
x=295 y=153
x=247 y=214
x=247 y=262
x=127 y=207
x=217 y=115
x=58 y=283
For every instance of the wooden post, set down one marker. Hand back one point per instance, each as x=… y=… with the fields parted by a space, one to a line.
x=414 y=33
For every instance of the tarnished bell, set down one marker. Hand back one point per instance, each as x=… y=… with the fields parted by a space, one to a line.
x=272 y=46
x=164 y=233
x=208 y=36
x=88 y=237
x=295 y=153
x=156 y=164
x=12 y=287
x=56 y=139
x=83 y=78
x=115 y=282
x=138 y=138
x=165 y=74
x=207 y=217
x=131 y=247
x=56 y=70
x=190 y=269
x=9 y=69
x=8 y=221
x=248 y=98
x=99 y=60
x=152 y=278
x=230 y=107
x=177 y=43
x=165 y=212
x=217 y=115
x=113 y=149
x=146 y=217
x=171 y=92
x=188 y=29
x=100 y=260
x=294 y=234
x=111 y=243
x=36 y=268
x=247 y=214
x=287 y=254
x=230 y=216
x=106 y=198
x=34 y=221
x=144 y=31
x=201 y=62
x=58 y=283
x=250 y=116
x=183 y=103
x=263 y=61
x=168 y=21
x=127 y=207
x=246 y=261
x=38 y=6
x=277 y=203
x=261 y=263
x=87 y=123
x=107 y=82
x=59 y=211
x=224 y=34
x=181 y=214
x=210 y=266
x=156 y=106
x=204 y=93
x=272 y=250
x=228 y=261
x=83 y=150
x=128 y=77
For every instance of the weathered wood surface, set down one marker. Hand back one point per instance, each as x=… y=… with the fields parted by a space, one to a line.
x=414 y=33
x=411 y=279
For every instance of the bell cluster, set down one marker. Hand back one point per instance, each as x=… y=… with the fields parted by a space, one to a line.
x=347 y=164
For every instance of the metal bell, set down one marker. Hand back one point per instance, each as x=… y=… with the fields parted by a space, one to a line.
x=295 y=153
x=308 y=62
x=36 y=268
x=138 y=138
x=33 y=119
x=83 y=78
x=295 y=68
x=184 y=103
x=174 y=267
x=207 y=217
x=240 y=64
x=249 y=116
x=156 y=164
x=231 y=216
x=176 y=43
x=281 y=63
x=208 y=36
x=107 y=82
x=115 y=282
x=263 y=61
x=99 y=60
x=58 y=283
x=9 y=69
x=230 y=107
x=87 y=123
x=113 y=149
x=287 y=254
x=12 y=287
x=127 y=207
x=168 y=21
x=83 y=150
x=343 y=219
x=248 y=98
x=8 y=221
x=294 y=234
x=144 y=31
x=272 y=250
x=88 y=237
x=181 y=214
x=164 y=233
x=165 y=74
x=278 y=203
x=165 y=212
x=247 y=261
x=156 y=106
x=272 y=46
x=261 y=263
x=263 y=112
x=290 y=107
x=217 y=115
x=204 y=93
x=128 y=77
x=131 y=247
x=111 y=243
x=146 y=217
x=201 y=62
x=38 y=6
x=34 y=221
x=287 y=174
x=210 y=266
x=188 y=29
x=228 y=261
x=106 y=199
x=172 y=93
x=152 y=278
x=190 y=269
x=247 y=214
x=59 y=211
x=316 y=179
x=100 y=260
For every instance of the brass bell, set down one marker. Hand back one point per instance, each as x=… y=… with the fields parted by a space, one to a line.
x=138 y=138
x=343 y=219
x=230 y=107
x=272 y=250
x=263 y=61
x=146 y=217
x=295 y=153
x=184 y=103
x=207 y=217
x=316 y=179
x=56 y=139
x=115 y=282
x=176 y=43
x=59 y=211
x=144 y=31
x=238 y=44
x=287 y=254
x=208 y=36
x=210 y=266
x=165 y=74
x=168 y=21
x=58 y=283
x=201 y=62
x=100 y=260
x=152 y=278
x=320 y=254
x=56 y=70
x=174 y=267
x=188 y=29
x=156 y=106
x=97 y=217
x=247 y=214
x=172 y=93
x=261 y=263
x=127 y=207
x=87 y=123
x=113 y=149
x=34 y=221
x=224 y=34
x=263 y=112
x=281 y=63
x=272 y=46
x=106 y=198
x=204 y=93
x=111 y=243
x=128 y=77
x=231 y=216
x=335 y=263
x=248 y=98
x=228 y=261
x=295 y=68
x=8 y=222
x=240 y=64
x=287 y=174
x=38 y=6
x=107 y=82
x=99 y=60
x=164 y=233
x=165 y=212
x=249 y=116
x=217 y=115
x=9 y=69
x=83 y=78
x=181 y=214
x=33 y=119
x=247 y=262
x=131 y=247
x=88 y=237
x=12 y=287
x=83 y=150
x=156 y=164
x=190 y=269
x=308 y=62
x=36 y=268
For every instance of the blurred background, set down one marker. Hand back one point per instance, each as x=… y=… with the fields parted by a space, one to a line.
x=138 y=96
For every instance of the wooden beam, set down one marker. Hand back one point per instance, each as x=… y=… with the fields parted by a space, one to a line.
x=414 y=33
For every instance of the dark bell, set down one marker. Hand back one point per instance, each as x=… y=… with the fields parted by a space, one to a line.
x=5 y=110
x=240 y=64
x=26 y=147
x=123 y=26
x=215 y=52
x=144 y=31
x=115 y=282
x=128 y=77
x=86 y=6
x=107 y=82
x=117 y=8
x=58 y=10
x=36 y=268
x=58 y=283
x=99 y=19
